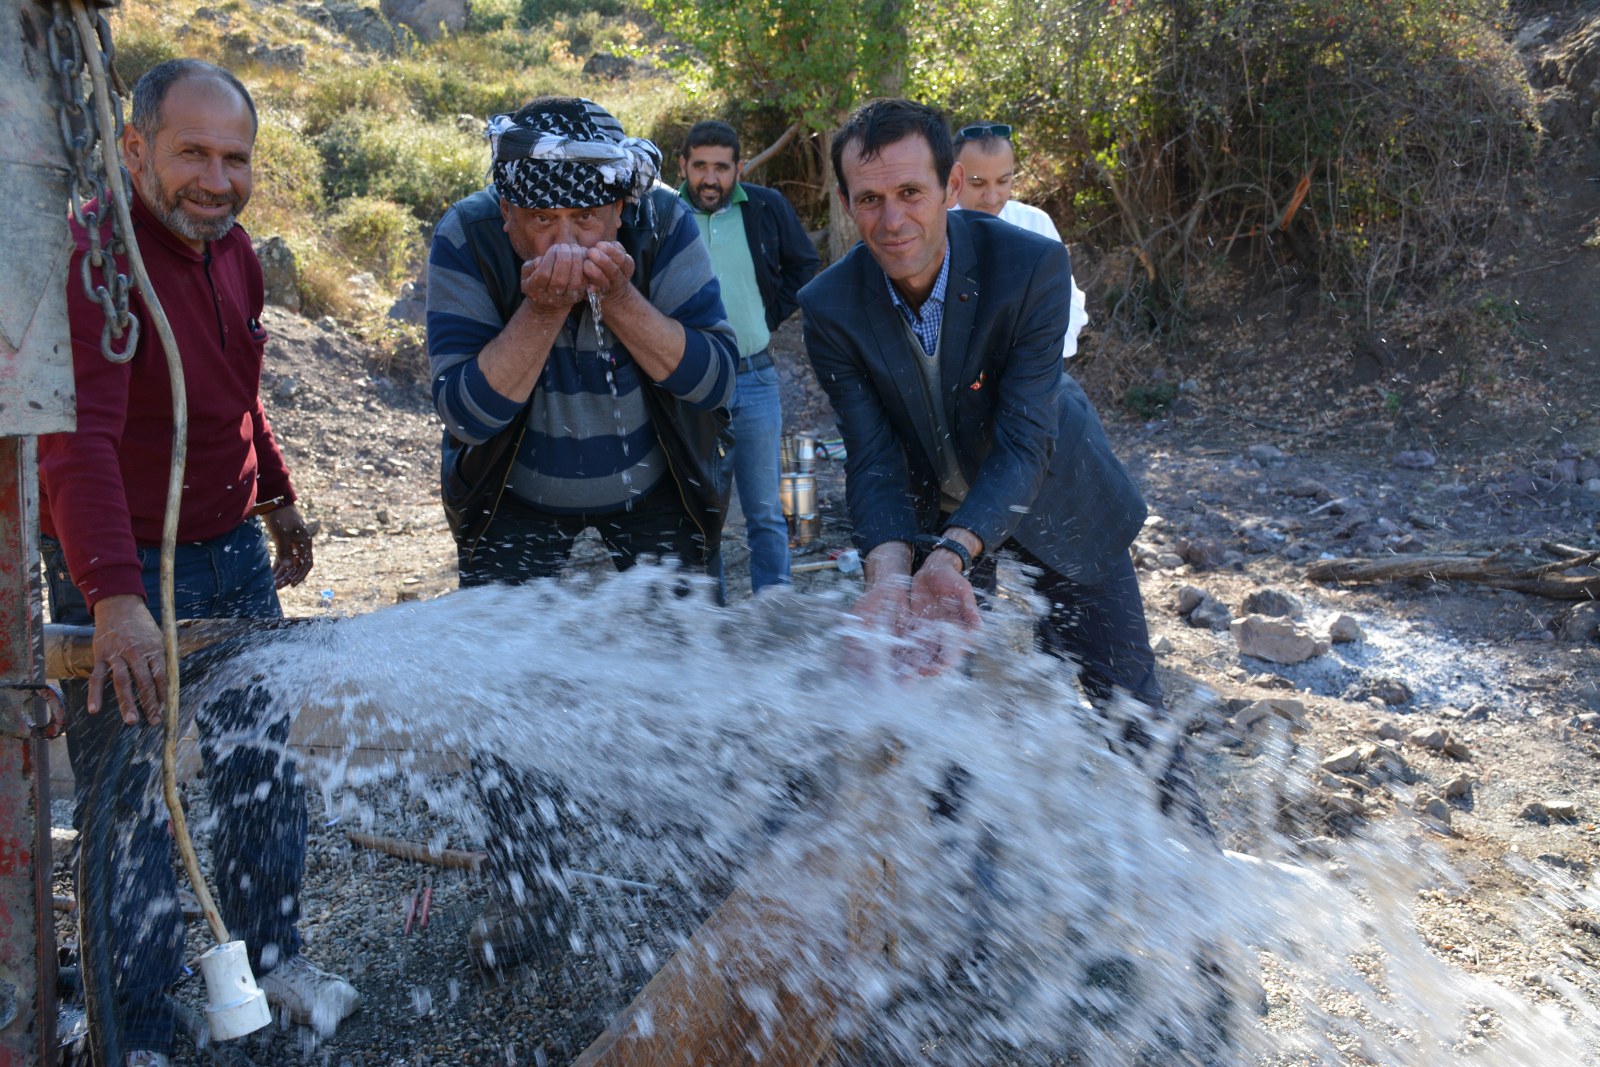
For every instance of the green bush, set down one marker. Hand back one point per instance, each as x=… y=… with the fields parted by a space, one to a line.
x=537 y=11
x=337 y=93
x=1150 y=401
x=288 y=173
x=139 y=48
x=487 y=15
x=379 y=236
x=425 y=166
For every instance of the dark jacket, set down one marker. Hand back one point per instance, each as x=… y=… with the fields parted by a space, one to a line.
x=1029 y=444
x=784 y=257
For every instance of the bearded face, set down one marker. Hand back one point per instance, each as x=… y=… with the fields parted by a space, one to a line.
x=193 y=172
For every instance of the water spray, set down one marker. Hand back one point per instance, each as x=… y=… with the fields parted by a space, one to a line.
x=236 y=1005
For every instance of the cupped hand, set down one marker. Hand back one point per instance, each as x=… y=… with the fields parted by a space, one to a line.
x=291 y=543
x=554 y=282
x=941 y=617
x=608 y=270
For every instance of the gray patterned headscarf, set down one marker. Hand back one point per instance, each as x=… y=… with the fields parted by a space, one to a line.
x=565 y=152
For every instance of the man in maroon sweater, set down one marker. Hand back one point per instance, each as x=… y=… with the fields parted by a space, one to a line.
x=103 y=493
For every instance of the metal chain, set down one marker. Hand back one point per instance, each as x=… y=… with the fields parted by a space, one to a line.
x=81 y=136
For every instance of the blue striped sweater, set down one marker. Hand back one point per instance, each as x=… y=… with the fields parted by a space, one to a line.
x=589 y=445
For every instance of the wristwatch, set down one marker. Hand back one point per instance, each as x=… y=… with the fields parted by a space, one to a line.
x=930 y=542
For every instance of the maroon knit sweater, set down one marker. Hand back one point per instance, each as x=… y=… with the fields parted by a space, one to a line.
x=103 y=488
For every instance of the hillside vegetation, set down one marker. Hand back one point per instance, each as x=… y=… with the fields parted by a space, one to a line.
x=1367 y=146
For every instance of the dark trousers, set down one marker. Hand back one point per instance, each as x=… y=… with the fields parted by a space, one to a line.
x=522 y=542
x=1099 y=627
x=1102 y=629
x=257 y=801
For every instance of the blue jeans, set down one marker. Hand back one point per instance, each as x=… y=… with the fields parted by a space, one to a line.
x=258 y=811
x=757 y=457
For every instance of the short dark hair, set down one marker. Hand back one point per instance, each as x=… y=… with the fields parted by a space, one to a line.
x=151 y=90
x=879 y=123
x=711 y=132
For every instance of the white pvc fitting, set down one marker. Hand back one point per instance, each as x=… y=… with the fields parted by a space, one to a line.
x=235 y=1004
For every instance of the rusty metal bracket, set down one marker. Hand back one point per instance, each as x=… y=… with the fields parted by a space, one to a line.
x=55 y=723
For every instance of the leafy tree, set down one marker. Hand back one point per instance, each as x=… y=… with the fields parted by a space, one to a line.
x=813 y=60
x=1367 y=139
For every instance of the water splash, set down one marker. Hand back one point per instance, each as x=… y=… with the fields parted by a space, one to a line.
x=1060 y=913
x=603 y=351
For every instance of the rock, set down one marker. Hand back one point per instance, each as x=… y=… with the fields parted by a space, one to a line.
x=1391 y=691
x=1190 y=597
x=1273 y=602
x=1440 y=740
x=1211 y=615
x=1385 y=763
x=1534 y=31
x=364 y=27
x=1309 y=488
x=1344 y=803
x=1459 y=786
x=291 y=57
x=1201 y=554
x=1577 y=624
x=1255 y=714
x=1169 y=561
x=1346 y=760
x=1381 y=692
x=1276 y=640
x=1344 y=631
x=280 y=275
x=1161 y=646
x=1434 y=808
x=1385 y=728
x=1479 y=712
x=1265 y=453
x=1551 y=811
x=428 y=19
x=606 y=65
x=286 y=390
x=1415 y=460
x=409 y=310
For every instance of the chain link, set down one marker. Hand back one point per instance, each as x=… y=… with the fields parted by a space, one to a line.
x=80 y=134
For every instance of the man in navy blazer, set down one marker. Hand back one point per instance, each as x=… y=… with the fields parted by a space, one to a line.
x=938 y=340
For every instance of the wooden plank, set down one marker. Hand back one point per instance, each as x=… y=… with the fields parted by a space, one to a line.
x=692 y=1013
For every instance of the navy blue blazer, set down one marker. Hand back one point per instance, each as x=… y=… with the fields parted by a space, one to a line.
x=1029 y=443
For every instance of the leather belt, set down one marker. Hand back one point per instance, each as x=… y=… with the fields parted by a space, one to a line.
x=758 y=361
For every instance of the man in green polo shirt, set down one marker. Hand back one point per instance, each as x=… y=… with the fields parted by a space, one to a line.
x=761 y=256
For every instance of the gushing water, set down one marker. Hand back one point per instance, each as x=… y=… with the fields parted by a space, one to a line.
x=1044 y=910
x=604 y=353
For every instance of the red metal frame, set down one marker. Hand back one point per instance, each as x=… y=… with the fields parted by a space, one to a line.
x=36 y=397
x=27 y=930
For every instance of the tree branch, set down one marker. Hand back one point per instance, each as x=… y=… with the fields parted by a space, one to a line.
x=772 y=149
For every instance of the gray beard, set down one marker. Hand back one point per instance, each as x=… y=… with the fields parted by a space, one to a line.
x=179 y=221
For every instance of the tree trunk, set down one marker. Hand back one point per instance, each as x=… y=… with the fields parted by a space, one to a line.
x=842 y=232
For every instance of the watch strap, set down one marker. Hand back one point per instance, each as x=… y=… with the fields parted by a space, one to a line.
x=931 y=542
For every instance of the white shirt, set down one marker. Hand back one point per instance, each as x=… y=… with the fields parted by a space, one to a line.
x=1033 y=220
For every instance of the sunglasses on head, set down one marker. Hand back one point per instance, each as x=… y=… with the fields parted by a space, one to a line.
x=974 y=133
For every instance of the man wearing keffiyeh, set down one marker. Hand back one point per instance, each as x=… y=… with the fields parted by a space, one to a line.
x=615 y=430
